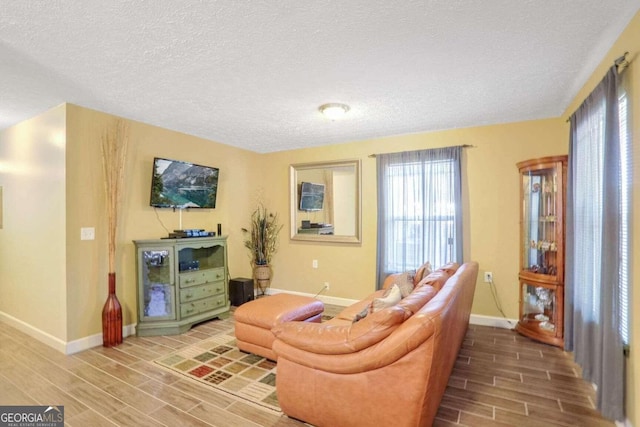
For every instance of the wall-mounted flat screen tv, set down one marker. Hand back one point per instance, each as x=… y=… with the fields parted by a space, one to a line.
x=311 y=196
x=176 y=184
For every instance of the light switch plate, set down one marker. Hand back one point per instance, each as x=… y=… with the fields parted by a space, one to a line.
x=87 y=233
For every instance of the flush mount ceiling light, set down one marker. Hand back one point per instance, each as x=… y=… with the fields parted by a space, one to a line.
x=334 y=110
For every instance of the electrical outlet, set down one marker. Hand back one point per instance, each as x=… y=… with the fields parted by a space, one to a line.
x=488 y=277
x=326 y=285
x=314 y=263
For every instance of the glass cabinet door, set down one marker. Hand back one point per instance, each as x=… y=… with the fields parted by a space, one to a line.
x=157 y=300
x=541 y=223
x=539 y=307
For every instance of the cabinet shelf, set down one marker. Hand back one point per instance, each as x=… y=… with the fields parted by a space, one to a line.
x=181 y=282
x=541 y=278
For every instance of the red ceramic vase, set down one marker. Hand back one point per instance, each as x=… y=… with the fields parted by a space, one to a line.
x=112 y=317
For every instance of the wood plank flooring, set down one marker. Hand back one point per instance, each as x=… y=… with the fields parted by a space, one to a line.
x=504 y=379
x=500 y=379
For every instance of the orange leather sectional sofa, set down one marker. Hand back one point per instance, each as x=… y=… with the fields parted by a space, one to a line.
x=390 y=368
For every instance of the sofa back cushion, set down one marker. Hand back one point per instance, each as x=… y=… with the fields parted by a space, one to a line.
x=450 y=268
x=437 y=279
x=418 y=298
x=321 y=338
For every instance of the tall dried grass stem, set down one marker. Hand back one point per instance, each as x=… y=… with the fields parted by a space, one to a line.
x=114 y=145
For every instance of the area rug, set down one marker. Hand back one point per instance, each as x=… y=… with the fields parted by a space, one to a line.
x=217 y=362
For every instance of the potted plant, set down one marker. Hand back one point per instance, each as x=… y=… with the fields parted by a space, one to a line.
x=262 y=241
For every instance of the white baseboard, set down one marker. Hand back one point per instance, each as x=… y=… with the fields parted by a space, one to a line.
x=33 y=332
x=95 y=340
x=70 y=347
x=496 y=322
x=344 y=302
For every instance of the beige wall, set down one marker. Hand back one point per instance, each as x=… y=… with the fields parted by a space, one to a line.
x=87 y=260
x=51 y=174
x=491 y=232
x=629 y=41
x=32 y=239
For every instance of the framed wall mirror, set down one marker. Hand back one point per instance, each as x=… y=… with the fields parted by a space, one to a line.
x=325 y=201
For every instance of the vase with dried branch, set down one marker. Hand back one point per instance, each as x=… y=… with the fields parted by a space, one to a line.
x=262 y=241
x=114 y=143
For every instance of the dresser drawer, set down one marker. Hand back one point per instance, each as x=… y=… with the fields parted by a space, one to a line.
x=201 y=306
x=200 y=277
x=193 y=293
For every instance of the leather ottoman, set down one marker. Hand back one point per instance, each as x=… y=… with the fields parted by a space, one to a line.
x=254 y=320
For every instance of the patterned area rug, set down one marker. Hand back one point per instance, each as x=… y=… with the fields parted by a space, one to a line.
x=217 y=362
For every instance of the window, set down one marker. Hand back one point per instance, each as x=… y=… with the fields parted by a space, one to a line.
x=418 y=209
x=625 y=208
x=598 y=240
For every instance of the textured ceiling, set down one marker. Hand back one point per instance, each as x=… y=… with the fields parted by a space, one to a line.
x=252 y=73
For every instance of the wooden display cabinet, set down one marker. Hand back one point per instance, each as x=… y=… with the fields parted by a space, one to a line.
x=542 y=245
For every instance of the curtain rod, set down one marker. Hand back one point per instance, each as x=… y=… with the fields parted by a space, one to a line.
x=620 y=62
x=463 y=146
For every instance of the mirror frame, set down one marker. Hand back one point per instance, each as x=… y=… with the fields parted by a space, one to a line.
x=293 y=200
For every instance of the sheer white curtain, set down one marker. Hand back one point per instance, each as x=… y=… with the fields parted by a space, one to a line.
x=419 y=209
x=598 y=213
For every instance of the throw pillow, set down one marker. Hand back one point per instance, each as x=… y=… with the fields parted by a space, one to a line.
x=405 y=283
x=390 y=300
x=422 y=272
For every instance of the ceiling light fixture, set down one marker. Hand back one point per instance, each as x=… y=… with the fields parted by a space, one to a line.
x=334 y=110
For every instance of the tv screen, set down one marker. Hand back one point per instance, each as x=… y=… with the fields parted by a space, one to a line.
x=176 y=184
x=311 y=196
